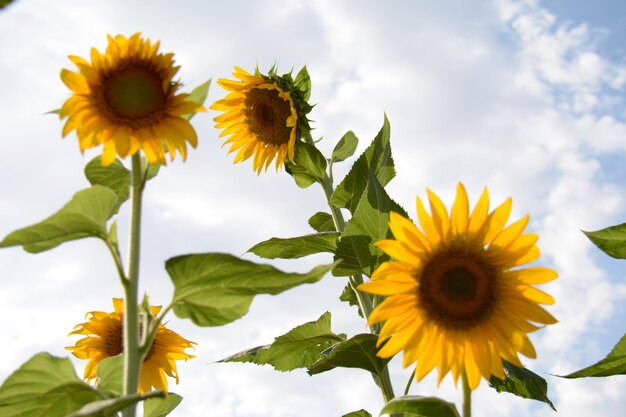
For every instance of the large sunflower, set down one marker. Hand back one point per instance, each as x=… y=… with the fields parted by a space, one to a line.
x=125 y=100
x=456 y=298
x=105 y=339
x=261 y=117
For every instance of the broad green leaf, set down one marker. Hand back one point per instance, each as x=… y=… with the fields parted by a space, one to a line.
x=368 y=225
x=611 y=240
x=41 y=373
x=85 y=215
x=111 y=406
x=303 y=82
x=356 y=352
x=523 y=383
x=377 y=159
x=115 y=176
x=160 y=407
x=349 y=296
x=296 y=247
x=309 y=166
x=110 y=375
x=322 y=222
x=213 y=289
x=4 y=3
x=359 y=413
x=613 y=364
x=412 y=405
x=345 y=147
x=60 y=401
x=298 y=348
x=198 y=95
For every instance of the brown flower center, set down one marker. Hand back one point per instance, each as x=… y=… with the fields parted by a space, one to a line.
x=115 y=341
x=458 y=290
x=267 y=113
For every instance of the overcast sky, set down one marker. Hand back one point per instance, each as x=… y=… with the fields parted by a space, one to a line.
x=525 y=97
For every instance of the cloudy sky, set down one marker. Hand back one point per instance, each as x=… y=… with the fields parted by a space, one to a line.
x=525 y=97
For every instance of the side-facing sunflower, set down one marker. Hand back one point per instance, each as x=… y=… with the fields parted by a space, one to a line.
x=105 y=339
x=264 y=114
x=126 y=100
x=456 y=298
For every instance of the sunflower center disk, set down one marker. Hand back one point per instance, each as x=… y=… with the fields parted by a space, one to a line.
x=134 y=93
x=458 y=290
x=115 y=341
x=267 y=115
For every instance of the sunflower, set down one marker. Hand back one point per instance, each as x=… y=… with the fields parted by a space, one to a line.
x=263 y=115
x=125 y=100
x=456 y=298
x=105 y=339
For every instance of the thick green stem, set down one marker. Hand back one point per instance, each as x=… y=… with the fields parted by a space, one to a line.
x=132 y=358
x=467 y=397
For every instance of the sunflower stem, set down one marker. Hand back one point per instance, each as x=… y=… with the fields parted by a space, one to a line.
x=132 y=359
x=467 y=397
x=409 y=382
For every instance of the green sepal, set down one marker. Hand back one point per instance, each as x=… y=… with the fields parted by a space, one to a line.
x=345 y=147
x=296 y=247
x=303 y=83
x=309 y=165
x=523 y=383
x=322 y=222
x=115 y=176
x=377 y=159
x=611 y=240
x=358 y=413
x=368 y=225
x=198 y=95
x=356 y=352
x=413 y=405
x=160 y=407
x=110 y=406
x=213 y=289
x=298 y=348
x=613 y=364
x=85 y=215
x=110 y=375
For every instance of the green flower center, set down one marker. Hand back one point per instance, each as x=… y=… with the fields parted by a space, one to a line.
x=134 y=93
x=266 y=115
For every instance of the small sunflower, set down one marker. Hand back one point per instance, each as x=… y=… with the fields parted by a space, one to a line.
x=105 y=339
x=264 y=116
x=456 y=298
x=125 y=100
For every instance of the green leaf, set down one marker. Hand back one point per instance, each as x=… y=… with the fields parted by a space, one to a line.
x=356 y=352
x=41 y=373
x=160 y=407
x=611 y=240
x=111 y=406
x=345 y=147
x=349 y=296
x=412 y=405
x=213 y=289
x=58 y=402
x=296 y=247
x=359 y=413
x=303 y=82
x=368 y=225
x=523 y=383
x=85 y=215
x=110 y=375
x=309 y=166
x=115 y=176
x=376 y=158
x=613 y=364
x=198 y=95
x=298 y=348
x=4 y=3
x=322 y=222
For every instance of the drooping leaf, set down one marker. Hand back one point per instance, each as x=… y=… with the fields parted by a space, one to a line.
x=85 y=215
x=160 y=407
x=213 y=289
x=613 y=364
x=523 y=383
x=309 y=165
x=298 y=348
x=349 y=296
x=322 y=222
x=412 y=405
x=611 y=240
x=345 y=147
x=359 y=413
x=296 y=247
x=368 y=225
x=115 y=176
x=356 y=352
x=111 y=406
x=110 y=375
x=377 y=159
x=60 y=401
x=303 y=82
x=198 y=95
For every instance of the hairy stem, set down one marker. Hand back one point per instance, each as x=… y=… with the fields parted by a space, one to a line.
x=467 y=397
